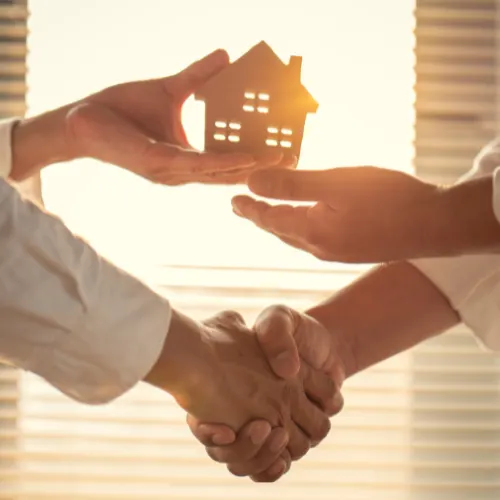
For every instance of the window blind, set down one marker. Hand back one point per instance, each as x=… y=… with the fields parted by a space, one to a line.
x=455 y=397
x=13 y=52
x=415 y=426
x=13 y=58
x=12 y=103
x=456 y=84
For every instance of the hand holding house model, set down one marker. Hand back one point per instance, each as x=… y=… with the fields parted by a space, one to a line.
x=256 y=103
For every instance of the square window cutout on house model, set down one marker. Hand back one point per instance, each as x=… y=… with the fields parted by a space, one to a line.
x=256 y=103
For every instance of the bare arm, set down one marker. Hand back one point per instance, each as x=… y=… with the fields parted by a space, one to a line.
x=386 y=311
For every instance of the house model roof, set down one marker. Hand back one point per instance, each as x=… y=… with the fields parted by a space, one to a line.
x=260 y=68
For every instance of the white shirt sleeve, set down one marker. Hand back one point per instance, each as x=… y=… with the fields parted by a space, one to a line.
x=5 y=146
x=472 y=283
x=66 y=314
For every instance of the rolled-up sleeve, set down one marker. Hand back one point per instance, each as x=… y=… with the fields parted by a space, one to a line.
x=68 y=315
x=472 y=283
x=5 y=146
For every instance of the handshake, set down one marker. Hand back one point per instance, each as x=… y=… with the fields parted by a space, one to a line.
x=256 y=398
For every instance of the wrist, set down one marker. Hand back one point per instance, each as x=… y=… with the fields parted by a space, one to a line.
x=461 y=219
x=186 y=366
x=345 y=362
x=38 y=142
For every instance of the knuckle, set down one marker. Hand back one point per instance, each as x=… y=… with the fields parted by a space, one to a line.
x=271 y=313
x=279 y=309
x=321 y=431
x=337 y=405
x=270 y=475
x=232 y=316
x=300 y=449
x=216 y=454
x=237 y=469
x=287 y=459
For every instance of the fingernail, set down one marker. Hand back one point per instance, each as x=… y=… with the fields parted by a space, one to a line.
x=236 y=208
x=278 y=441
x=217 y=438
x=286 y=365
x=335 y=405
x=278 y=469
x=259 y=433
x=338 y=400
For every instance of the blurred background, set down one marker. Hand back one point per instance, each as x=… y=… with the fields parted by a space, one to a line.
x=405 y=84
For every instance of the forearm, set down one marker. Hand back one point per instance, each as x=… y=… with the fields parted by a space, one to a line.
x=38 y=142
x=68 y=315
x=186 y=366
x=461 y=220
x=385 y=312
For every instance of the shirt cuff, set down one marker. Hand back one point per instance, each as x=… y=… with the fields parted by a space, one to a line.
x=472 y=286
x=117 y=344
x=472 y=282
x=6 y=146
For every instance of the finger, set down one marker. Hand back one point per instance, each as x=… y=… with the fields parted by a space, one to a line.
x=299 y=245
x=187 y=166
x=237 y=176
x=226 y=320
x=299 y=444
x=276 y=158
x=210 y=434
x=275 y=329
x=321 y=389
x=280 y=467
x=313 y=422
x=314 y=343
x=265 y=457
x=298 y=185
x=191 y=78
x=172 y=162
x=248 y=444
x=105 y=135
x=270 y=158
x=284 y=220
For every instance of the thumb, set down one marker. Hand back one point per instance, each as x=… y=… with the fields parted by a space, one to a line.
x=298 y=185
x=196 y=74
x=275 y=329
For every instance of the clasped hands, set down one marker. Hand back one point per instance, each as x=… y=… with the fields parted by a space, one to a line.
x=257 y=398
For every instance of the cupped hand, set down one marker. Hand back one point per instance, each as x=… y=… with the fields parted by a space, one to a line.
x=138 y=126
x=354 y=214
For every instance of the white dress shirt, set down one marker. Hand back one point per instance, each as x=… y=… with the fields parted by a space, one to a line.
x=66 y=314
x=472 y=283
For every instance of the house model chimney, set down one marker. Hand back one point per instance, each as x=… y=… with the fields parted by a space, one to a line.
x=295 y=68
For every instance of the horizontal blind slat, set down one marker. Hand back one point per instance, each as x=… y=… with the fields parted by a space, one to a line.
x=456 y=84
